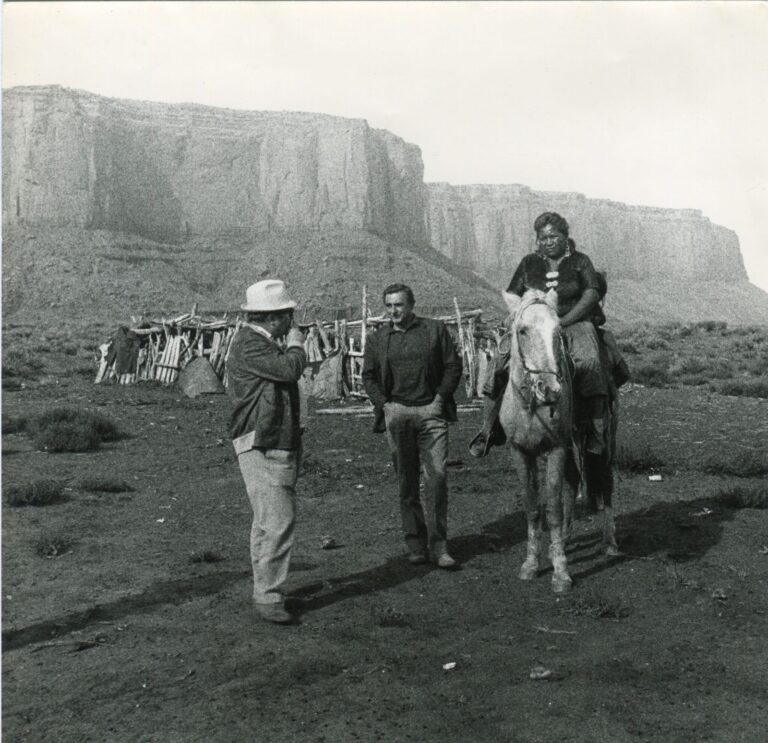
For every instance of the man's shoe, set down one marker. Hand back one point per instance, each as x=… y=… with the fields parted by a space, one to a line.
x=417 y=558
x=274 y=613
x=446 y=562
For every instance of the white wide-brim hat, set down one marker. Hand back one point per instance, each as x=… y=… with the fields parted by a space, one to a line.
x=269 y=295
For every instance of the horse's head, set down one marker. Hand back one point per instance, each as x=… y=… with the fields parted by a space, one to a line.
x=536 y=343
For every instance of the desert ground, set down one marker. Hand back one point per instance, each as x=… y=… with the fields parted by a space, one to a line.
x=126 y=615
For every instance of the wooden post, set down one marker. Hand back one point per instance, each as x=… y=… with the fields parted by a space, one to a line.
x=364 y=325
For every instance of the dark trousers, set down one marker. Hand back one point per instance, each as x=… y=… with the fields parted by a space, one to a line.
x=418 y=442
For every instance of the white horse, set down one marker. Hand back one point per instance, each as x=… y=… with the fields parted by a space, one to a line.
x=537 y=416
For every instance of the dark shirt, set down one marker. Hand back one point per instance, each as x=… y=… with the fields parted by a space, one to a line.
x=415 y=364
x=408 y=359
x=576 y=274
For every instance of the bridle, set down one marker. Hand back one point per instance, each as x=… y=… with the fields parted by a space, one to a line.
x=533 y=381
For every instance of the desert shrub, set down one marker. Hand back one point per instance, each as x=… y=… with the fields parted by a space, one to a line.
x=690 y=365
x=70 y=349
x=745 y=497
x=744 y=387
x=685 y=330
x=86 y=370
x=63 y=436
x=694 y=380
x=628 y=347
x=638 y=458
x=720 y=369
x=83 y=420
x=657 y=344
x=14 y=425
x=651 y=375
x=105 y=485
x=70 y=429
x=205 y=556
x=746 y=463
x=21 y=363
x=35 y=493
x=52 y=545
x=713 y=326
x=669 y=332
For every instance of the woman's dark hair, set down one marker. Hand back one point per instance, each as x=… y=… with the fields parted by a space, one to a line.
x=552 y=218
x=396 y=289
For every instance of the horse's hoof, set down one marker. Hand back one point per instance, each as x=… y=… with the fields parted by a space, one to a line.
x=562 y=585
x=612 y=550
x=528 y=572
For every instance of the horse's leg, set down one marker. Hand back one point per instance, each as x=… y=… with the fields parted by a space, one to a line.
x=611 y=484
x=561 y=581
x=609 y=525
x=571 y=480
x=525 y=467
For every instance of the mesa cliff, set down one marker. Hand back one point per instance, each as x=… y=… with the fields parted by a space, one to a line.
x=170 y=172
x=490 y=228
x=124 y=206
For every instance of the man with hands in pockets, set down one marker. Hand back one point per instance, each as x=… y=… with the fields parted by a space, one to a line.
x=410 y=372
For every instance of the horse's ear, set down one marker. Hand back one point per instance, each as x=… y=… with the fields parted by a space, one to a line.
x=512 y=300
x=552 y=299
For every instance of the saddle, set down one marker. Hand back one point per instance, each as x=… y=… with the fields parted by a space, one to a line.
x=617 y=374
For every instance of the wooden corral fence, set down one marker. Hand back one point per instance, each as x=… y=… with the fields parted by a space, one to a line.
x=158 y=349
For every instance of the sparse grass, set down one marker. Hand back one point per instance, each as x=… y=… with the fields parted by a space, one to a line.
x=72 y=430
x=595 y=605
x=105 y=485
x=21 y=363
x=743 y=387
x=206 y=556
x=745 y=497
x=36 y=493
x=638 y=458
x=651 y=375
x=52 y=545
x=712 y=326
x=747 y=463
x=14 y=425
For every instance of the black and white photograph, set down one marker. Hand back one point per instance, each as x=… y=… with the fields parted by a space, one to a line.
x=384 y=371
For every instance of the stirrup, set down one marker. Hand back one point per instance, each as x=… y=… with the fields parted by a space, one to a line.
x=480 y=445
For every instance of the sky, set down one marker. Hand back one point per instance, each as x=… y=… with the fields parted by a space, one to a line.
x=653 y=103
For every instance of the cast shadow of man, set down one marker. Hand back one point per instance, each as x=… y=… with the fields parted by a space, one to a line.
x=679 y=532
x=495 y=536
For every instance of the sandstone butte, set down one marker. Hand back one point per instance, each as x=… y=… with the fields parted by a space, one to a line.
x=200 y=185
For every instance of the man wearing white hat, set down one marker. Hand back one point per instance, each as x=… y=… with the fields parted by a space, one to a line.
x=262 y=377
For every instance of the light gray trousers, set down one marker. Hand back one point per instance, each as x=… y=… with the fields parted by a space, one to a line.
x=270 y=481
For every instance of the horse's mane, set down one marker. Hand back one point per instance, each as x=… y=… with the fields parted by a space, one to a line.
x=531 y=296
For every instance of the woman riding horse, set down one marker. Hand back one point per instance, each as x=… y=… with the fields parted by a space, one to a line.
x=556 y=264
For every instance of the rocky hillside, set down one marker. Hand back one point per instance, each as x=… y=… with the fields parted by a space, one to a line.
x=113 y=207
x=489 y=228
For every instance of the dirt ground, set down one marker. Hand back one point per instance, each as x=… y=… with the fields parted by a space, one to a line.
x=125 y=638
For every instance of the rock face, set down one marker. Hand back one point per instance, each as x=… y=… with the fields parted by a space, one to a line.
x=490 y=228
x=116 y=205
x=170 y=172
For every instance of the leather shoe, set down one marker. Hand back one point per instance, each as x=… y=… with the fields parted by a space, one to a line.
x=274 y=613
x=445 y=561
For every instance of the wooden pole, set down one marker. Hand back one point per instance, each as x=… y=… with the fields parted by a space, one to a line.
x=364 y=326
